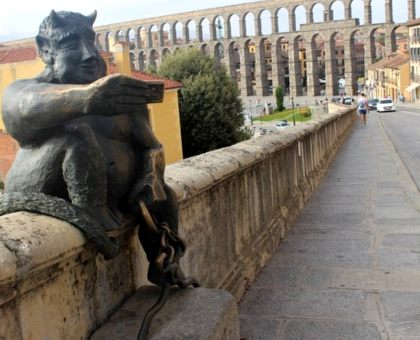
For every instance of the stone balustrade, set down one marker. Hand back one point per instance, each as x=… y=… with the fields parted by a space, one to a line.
x=236 y=205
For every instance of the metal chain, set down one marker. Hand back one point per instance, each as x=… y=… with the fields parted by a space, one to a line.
x=171 y=249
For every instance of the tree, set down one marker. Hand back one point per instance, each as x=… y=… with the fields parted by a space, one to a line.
x=210 y=107
x=279 y=98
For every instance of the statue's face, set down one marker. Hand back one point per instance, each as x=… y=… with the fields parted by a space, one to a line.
x=76 y=60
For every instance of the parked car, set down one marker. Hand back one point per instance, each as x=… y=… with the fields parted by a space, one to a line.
x=385 y=104
x=348 y=100
x=283 y=124
x=373 y=103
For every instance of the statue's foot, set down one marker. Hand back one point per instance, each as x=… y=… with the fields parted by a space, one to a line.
x=107 y=219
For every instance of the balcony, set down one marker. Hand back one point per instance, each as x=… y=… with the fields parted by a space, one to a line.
x=415 y=77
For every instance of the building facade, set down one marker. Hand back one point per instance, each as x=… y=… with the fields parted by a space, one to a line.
x=390 y=77
x=413 y=90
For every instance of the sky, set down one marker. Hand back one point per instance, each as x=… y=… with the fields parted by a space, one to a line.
x=20 y=19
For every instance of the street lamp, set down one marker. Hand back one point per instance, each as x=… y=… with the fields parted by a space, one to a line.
x=250 y=111
x=293 y=109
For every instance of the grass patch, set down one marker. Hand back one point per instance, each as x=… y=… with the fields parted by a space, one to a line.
x=302 y=114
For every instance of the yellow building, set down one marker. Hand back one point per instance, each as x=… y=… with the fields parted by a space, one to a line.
x=17 y=62
x=390 y=76
x=21 y=61
x=413 y=91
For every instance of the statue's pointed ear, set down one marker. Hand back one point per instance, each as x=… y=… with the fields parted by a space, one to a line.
x=44 y=49
x=55 y=19
x=92 y=17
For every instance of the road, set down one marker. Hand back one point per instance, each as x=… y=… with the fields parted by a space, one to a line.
x=403 y=129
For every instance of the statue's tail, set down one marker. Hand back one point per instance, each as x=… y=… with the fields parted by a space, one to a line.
x=63 y=210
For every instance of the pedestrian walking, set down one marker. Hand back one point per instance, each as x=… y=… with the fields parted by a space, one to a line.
x=362 y=108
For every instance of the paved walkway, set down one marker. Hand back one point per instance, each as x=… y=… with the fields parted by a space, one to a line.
x=350 y=266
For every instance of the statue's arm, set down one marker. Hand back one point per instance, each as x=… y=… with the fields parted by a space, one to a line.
x=31 y=106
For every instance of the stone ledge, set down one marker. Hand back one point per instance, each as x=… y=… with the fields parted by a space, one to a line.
x=189 y=314
x=197 y=174
x=30 y=241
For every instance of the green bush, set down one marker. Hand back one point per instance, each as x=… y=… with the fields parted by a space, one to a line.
x=306 y=112
x=279 y=99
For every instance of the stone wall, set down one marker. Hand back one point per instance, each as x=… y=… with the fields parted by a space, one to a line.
x=236 y=205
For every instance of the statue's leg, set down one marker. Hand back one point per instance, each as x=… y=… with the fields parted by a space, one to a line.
x=166 y=211
x=85 y=175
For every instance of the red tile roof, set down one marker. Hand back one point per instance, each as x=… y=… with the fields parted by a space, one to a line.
x=14 y=54
x=414 y=22
x=397 y=61
x=392 y=61
x=17 y=53
x=169 y=84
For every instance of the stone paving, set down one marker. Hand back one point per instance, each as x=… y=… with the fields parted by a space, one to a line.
x=349 y=268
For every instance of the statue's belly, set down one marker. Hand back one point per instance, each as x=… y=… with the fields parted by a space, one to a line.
x=121 y=167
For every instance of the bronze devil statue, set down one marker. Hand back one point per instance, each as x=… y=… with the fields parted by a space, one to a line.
x=87 y=152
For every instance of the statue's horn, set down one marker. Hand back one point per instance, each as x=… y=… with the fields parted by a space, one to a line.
x=92 y=17
x=55 y=19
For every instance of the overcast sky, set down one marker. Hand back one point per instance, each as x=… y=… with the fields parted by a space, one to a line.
x=20 y=18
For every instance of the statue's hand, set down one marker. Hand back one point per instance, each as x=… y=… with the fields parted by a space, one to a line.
x=149 y=190
x=115 y=94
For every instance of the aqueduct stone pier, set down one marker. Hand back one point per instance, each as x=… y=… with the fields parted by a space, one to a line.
x=306 y=46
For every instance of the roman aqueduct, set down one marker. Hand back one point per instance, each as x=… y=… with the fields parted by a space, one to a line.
x=263 y=44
